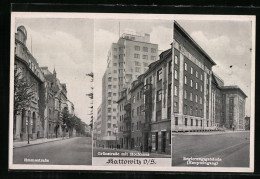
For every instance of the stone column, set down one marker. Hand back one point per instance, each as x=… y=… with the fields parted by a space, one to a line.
x=154 y=88
x=172 y=89
x=205 y=101
x=164 y=94
x=210 y=102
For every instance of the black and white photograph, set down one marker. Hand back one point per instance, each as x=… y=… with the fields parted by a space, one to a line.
x=213 y=82
x=125 y=125
x=52 y=67
x=139 y=92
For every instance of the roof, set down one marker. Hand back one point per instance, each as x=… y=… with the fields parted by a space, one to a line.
x=153 y=65
x=190 y=39
x=233 y=88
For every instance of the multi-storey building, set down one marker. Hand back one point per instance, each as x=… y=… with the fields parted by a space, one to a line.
x=178 y=93
x=127 y=59
x=31 y=120
x=56 y=102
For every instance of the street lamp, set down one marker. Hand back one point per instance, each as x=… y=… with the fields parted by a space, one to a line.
x=115 y=131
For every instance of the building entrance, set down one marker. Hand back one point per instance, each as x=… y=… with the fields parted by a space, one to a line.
x=163 y=141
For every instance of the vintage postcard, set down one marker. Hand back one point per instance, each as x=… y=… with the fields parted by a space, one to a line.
x=144 y=92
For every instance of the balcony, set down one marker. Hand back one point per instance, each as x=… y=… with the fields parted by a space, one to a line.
x=147 y=89
x=126 y=133
x=146 y=126
x=127 y=106
x=146 y=107
x=127 y=117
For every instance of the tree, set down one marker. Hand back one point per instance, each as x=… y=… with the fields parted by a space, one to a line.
x=22 y=93
x=65 y=119
x=91 y=95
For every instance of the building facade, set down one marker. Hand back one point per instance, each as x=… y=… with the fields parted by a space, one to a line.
x=31 y=121
x=127 y=59
x=43 y=117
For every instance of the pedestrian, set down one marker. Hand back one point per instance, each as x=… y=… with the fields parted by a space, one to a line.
x=233 y=128
x=141 y=147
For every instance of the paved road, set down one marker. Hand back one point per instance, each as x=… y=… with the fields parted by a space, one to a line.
x=232 y=148
x=74 y=151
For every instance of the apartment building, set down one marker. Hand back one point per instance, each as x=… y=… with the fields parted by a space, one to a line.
x=178 y=93
x=127 y=59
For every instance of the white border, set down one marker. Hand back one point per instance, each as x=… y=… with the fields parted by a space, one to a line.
x=122 y=16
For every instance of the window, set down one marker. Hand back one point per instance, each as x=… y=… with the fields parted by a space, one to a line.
x=169 y=90
x=196 y=98
x=153 y=58
x=176 y=59
x=176 y=74
x=115 y=56
x=137 y=63
x=108 y=109
x=114 y=94
x=133 y=99
x=145 y=49
x=191 y=70
x=175 y=91
x=153 y=50
x=115 y=64
x=201 y=88
x=200 y=122
x=114 y=109
x=109 y=102
x=170 y=67
x=137 y=69
x=133 y=112
x=191 y=122
x=145 y=57
x=137 y=48
x=196 y=85
x=109 y=94
x=190 y=96
x=145 y=64
x=185 y=94
x=197 y=122
x=108 y=125
x=185 y=66
x=186 y=122
x=169 y=113
x=201 y=77
x=176 y=121
x=159 y=95
x=185 y=109
x=191 y=83
x=175 y=107
x=158 y=115
x=137 y=55
x=159 y=75
x=197 y=74
x=115 y=49
x=115 y=71
x=185 y=79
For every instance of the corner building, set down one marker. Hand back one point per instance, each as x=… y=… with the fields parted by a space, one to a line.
x=127 y=59
x=200 y=99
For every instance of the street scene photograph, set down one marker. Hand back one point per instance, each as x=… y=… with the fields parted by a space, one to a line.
x=211 y=121
x=52 y=100
x=129 y=120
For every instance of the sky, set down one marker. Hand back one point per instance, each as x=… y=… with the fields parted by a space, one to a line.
x=67 y=45
x=228 y=43
x=79 y=46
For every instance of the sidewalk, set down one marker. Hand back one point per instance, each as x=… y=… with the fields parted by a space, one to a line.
x=208 y=133
x=19 y=144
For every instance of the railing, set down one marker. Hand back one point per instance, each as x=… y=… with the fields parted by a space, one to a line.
x=147 y=88
x=127 y=105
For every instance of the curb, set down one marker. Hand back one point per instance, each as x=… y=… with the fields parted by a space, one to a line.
x=201 y=134
x=38 y=143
